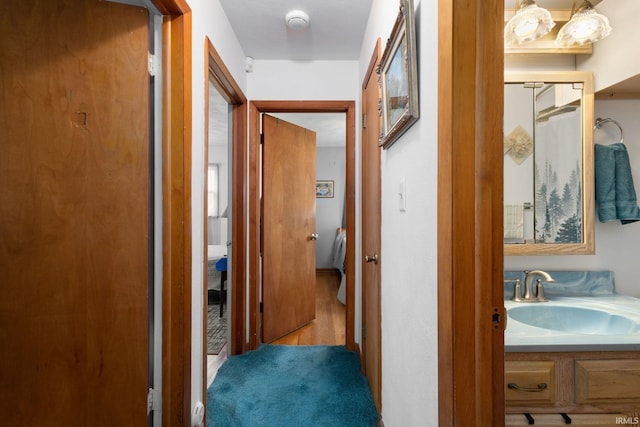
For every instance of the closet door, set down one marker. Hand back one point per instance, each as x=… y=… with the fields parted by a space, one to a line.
x=74 y=227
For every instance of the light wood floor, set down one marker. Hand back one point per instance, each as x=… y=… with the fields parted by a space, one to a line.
x=329 y=326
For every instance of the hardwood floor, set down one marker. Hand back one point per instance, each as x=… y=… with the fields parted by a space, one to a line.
x=329 y=326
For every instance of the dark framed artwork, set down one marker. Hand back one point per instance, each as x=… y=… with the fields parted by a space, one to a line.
x=324 y=189
x=399 y=78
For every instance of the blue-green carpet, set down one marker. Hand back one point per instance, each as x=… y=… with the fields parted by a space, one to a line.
x=279 y=385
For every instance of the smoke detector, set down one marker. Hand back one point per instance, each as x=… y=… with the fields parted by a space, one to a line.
x=297 y=20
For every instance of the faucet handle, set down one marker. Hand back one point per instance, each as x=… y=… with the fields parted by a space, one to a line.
x=517 y=292
x=540 y=290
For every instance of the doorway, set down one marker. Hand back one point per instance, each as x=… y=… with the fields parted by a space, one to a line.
x=328 y=284
x=217 y=226
x=256 y=109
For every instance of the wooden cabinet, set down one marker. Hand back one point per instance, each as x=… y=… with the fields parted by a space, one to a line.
x=531 y=381
x=608 y=381
x=573 y=382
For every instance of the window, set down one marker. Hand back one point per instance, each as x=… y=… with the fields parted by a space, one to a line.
x=213 y=203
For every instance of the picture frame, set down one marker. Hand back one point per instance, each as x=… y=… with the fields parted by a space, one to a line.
x=398 y=77
x=324 y=189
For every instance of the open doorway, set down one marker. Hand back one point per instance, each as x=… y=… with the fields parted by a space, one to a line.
x=218 y=225
x=347 y=108
x=224 y=215
x=328 y=326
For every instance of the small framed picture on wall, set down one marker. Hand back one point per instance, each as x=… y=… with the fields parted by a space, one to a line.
x=324 y=189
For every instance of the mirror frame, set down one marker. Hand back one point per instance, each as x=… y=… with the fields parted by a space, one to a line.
x=587 y=247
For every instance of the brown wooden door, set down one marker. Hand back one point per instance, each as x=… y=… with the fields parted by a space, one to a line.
x=288 y=223
x=371 y=212
x=74 y=216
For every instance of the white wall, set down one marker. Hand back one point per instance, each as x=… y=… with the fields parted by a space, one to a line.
x=208 y=20
x=614 y=58
x=303 y=80
x=330 y=165
x=409 y=239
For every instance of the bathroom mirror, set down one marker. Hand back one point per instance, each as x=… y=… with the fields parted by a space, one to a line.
x=548 y=163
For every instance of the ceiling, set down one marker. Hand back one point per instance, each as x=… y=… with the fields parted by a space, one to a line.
x=335 y=32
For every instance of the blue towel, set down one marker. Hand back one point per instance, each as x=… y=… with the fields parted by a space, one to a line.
x=615 y=192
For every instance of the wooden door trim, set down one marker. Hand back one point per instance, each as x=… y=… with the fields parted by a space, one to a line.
x=255 y=109
x=470 y=187
x=226 y=84
x=230 y=90
x=176 y=206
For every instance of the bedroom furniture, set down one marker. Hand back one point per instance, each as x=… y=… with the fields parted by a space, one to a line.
x=221 y=266
x=214 y=253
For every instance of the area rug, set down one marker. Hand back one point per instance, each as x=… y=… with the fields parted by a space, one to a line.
x=216 y=329
x=279 y=385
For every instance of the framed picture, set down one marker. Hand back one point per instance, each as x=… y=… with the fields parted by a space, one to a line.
x=324 y=189
x=399 y=78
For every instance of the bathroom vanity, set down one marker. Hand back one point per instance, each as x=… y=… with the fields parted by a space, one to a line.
x=578 y=353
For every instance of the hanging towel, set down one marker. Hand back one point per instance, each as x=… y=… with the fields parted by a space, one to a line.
x=615 y=192
x=513 y=224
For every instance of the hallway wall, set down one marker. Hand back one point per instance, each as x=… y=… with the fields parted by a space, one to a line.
x=409 y=239
x=209 y=20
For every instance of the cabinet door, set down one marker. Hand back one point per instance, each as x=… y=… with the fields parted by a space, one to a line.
x=607 y=381
x=530 y=381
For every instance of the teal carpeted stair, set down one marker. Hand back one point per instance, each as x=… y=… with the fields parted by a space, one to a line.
x=291 y=386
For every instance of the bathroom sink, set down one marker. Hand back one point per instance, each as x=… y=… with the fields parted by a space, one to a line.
x=579 y=320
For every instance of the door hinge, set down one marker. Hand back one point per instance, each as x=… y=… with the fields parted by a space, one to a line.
x=154 y=400
x=364 y=331
x=261 y=308
x=154 y=66
x=364 y=121
x=262 y=138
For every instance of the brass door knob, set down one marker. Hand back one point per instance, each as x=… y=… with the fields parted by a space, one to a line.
x=373 y=258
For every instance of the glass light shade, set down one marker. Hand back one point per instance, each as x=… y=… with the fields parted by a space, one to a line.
x=529 y=23
x=586 y=26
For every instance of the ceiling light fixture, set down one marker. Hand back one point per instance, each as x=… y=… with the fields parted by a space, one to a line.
x=297 y=20
x=585 y=26
x=529 y=23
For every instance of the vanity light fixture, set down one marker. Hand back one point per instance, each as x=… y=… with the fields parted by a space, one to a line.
x=585 y=26
x=529 y=23
x=297 y=20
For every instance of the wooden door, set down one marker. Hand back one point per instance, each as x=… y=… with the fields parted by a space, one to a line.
x=371 y=247
x=74 y=213
x=288 y=226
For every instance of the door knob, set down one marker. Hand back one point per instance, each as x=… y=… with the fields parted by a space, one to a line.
x=373 y=259
x=314 y=236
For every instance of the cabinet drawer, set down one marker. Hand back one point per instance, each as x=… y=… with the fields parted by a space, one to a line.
x=530 y=381
x=608 y=381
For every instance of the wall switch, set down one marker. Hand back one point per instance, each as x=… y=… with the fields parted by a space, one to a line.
x=402 y=192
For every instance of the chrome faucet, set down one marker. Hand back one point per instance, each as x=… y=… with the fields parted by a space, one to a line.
x=529 y=294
